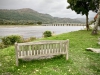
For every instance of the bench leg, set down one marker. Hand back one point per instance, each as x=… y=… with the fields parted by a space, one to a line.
x=16 y=52
x=66 y=56
x=16 y=62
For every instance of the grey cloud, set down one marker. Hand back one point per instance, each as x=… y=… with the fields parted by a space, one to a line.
x=56 y=8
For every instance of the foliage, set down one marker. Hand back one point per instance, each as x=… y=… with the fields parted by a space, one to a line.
x=47 y=34
x=2 y=46
x=39 y=23
x=81 y=62
x=32 y=38
x=29 y=39
x=83 y=7
x=10 y=40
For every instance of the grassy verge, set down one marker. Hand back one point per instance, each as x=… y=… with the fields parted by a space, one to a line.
x=81 y=62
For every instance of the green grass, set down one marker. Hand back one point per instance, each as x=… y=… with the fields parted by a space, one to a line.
x=81 y=62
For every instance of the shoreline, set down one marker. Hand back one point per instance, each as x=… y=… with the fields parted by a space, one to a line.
x=37 y=31
x=2 y=26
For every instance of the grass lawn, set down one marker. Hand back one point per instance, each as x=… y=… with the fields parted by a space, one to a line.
x=81 y=62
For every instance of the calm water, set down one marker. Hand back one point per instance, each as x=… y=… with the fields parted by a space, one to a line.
x=36 y=31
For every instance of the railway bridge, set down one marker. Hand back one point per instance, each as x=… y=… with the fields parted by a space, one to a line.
x=64 y=24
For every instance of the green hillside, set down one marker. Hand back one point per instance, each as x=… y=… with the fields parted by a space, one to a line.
x=29 y=16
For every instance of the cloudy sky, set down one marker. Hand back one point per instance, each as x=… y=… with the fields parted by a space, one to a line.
x=56 y=8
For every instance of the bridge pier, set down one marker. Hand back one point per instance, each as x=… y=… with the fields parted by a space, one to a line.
x=64 y=24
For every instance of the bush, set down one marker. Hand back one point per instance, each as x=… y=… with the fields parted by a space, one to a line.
x=47 y=34
x=2 y=46
x=26 y=40
x=29 y=39
x=32 y=38
x=39 y=23
x=10 y=40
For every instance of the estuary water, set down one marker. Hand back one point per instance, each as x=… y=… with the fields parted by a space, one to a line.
x=36 y=31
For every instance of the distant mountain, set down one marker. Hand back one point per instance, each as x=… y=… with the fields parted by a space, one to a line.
x=29 y=15
x=84 y=19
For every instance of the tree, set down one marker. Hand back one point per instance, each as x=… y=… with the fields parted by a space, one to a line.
x=83 y=7
x=94 y=31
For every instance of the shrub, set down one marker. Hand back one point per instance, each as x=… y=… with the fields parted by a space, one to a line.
x=10 y=40
x=47 y=34
x=39 y=23
x=29 y=39
x=26 y=40
x=2 y=46
x=32 y=38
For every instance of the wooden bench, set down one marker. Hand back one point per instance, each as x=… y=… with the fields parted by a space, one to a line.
x=41 y=48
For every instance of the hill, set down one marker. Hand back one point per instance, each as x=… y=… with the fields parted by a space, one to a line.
x=27 y=15
x=84 y=19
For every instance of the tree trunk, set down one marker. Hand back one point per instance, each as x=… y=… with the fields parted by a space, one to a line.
x=87 y=26
x=95 y=29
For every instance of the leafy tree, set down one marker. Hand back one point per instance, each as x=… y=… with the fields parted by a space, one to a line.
x=83 y=7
